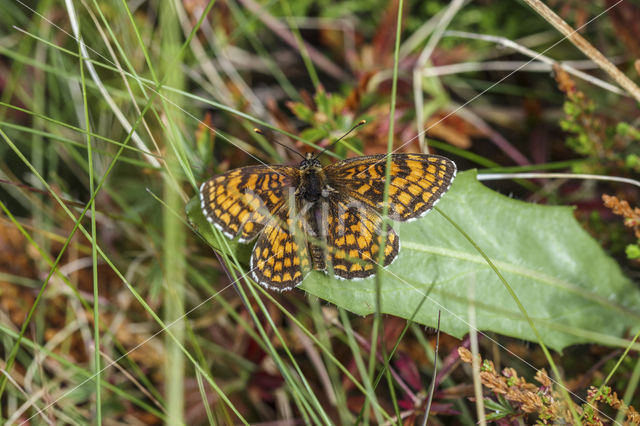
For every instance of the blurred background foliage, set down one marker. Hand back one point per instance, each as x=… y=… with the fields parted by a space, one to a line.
x=304 y=72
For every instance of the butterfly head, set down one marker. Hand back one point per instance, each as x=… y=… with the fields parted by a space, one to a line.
x=309 y=162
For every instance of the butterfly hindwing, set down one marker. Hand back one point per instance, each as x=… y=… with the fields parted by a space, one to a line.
x=354 y=237
x=241 y=201
x=280 y=259
x=417 y=182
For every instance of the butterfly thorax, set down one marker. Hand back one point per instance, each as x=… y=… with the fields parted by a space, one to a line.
x=312 y=183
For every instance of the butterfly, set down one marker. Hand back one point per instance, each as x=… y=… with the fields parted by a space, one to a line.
x=327 y=218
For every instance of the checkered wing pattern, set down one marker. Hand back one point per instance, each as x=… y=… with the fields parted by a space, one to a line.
x=354 y=238
x=417 y=182
x=242 y=201
x=340 y=230
x=280 y=259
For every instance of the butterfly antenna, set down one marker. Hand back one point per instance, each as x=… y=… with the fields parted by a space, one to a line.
x=258 y=131
x=340 y=138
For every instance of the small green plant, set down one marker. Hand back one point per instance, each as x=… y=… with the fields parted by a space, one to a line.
x=611 y=145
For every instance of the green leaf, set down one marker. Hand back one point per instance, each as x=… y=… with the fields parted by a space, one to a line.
x=501 y=409
x=570 y=288
x=313 y=134
x=323 y=102
x=633 y=251
x=301 y=111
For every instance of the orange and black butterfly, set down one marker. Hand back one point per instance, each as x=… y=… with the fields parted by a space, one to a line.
x=327 y=218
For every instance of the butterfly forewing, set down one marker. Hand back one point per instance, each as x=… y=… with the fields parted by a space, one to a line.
x=417 y=182
x=242 y=201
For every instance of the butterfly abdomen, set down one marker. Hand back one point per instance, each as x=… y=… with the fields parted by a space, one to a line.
x=316 y=218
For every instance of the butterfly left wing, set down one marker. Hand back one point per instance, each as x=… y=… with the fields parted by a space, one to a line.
x=241 y=201
x=280 y=259
x=417 y=182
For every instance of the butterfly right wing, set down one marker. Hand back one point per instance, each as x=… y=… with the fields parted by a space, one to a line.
x=354 y=236
x=417 y=182
x=242 y=201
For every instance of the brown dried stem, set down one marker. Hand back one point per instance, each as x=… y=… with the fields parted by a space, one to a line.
x=622 y=208
x=581 y=43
